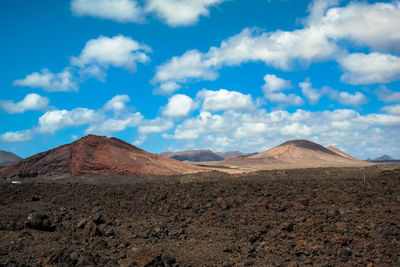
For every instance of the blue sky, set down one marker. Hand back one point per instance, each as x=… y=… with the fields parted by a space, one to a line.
x=169 y=75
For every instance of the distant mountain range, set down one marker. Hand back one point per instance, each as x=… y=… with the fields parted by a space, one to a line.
x=100 y=155
x=6 y=158
x=383 y=158
x=202 y=155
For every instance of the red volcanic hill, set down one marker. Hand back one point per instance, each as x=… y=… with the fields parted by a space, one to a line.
x=96 y=155
x=304 y=151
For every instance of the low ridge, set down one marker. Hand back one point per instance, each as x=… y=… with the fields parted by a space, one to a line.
x=193 y=155
x=6 y=158
x=96 y=155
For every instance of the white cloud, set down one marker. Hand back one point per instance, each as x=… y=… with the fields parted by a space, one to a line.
x=50 y=82
x=167 y=88
x=317 y=10
x=157 y=125
x=30 y=102
x=286 y=99
x=99 y=121
x=113 y=125
x=16 y=137
x=118 y=10
x=394 y=109
x=224 y=100
x=191 y=65
x=55 y=120
x=172 y=12
x=374 y=25
x=259 y=130
x=273 y=85
x=370 y=68
x=297 y=130
x=279 y=49
x=346 y=98
x=181 y=12
x=387 y=95
x=117 y=51
x=179 y=106
x=117 y=103
x=313 y=95
x=326 y=35
x=95 y=59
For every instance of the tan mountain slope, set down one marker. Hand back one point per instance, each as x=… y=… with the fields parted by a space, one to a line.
x=341 y=153
x=97 y=155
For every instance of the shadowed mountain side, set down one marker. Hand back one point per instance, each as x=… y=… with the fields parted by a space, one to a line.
x=230 y=154
x=6 y=158
x=96 y=155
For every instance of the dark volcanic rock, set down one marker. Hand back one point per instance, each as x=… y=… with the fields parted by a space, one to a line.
x=39 y=222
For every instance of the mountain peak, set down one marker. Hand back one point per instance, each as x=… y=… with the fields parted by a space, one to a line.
x=94 y=154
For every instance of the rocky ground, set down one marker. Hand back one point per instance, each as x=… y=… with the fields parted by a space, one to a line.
x=322 y=217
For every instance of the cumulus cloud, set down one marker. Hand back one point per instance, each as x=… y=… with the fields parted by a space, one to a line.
x=273 y=85
x=55 y=120
x=181 y=13
x=167 y=88
x=94 y=61
x=99 y=121
x=118 y=51
x=30 y=102
x=259 y=130
x=191 y=65
x=370 y=68
x=146 y=127
x=349 y=99
x=394 y=109
x=118 y=10
x=50 y=82
x=386 y=95
x=374 y=25
x=179 y=106
x=279 y=49
x=113 y=125
x=172 y=12
x=117 y=103
x=313 y=95
x=16 y=137
x=327 y=32
x=224 y=100
x=157 y=125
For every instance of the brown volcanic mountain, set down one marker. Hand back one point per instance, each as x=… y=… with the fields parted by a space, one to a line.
x=6 y=158
x=304 y=151
x=96 y=155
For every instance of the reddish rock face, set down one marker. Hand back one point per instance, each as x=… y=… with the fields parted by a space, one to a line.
x=96 y=155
